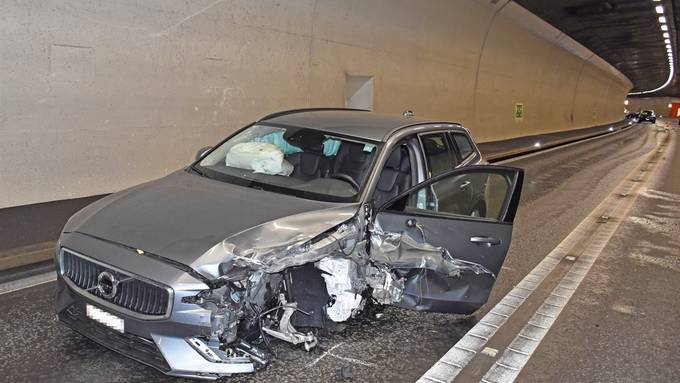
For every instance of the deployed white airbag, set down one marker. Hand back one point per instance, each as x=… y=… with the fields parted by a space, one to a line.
x=260 y=157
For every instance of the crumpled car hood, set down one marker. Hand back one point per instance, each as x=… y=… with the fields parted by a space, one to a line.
x=182 y=216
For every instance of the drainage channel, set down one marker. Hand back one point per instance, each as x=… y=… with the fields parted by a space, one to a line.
x=496 y=349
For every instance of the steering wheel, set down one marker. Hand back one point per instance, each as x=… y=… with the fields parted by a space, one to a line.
x=346 y=178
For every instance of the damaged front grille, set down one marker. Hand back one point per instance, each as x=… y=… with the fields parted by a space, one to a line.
x=135 y=347
x=131 y=293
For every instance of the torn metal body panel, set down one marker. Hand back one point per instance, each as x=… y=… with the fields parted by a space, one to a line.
x=195 y=273
x=292 y=241
x=401 y=251
x=430 y=278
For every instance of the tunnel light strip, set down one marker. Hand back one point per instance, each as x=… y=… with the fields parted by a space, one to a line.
x=659 y=9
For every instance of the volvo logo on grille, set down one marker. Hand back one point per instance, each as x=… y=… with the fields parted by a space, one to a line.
x=107 y=284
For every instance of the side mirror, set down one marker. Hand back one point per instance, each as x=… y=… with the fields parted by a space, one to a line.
x=202 y=152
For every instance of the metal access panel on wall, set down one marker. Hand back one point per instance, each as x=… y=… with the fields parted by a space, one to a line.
x=359 y=92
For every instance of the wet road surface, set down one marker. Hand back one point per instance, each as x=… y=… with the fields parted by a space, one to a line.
x=561 y=187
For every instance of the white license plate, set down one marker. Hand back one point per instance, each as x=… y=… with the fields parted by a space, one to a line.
x=101 y=316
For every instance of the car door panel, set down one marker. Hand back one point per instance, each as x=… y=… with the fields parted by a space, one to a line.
x=427 y=290
x=447 y=259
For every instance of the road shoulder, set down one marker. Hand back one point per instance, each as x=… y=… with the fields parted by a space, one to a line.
x=621 y=325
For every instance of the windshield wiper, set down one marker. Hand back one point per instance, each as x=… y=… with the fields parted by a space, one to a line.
x=198 y=171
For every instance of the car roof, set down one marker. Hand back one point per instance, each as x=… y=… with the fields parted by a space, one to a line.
x=351 y=122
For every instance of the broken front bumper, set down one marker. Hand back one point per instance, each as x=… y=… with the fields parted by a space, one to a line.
x=160 y=344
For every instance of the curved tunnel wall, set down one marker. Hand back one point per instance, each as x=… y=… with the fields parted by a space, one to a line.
x=96 y=96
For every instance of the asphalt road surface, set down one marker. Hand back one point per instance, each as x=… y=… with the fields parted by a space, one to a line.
x=561 y=187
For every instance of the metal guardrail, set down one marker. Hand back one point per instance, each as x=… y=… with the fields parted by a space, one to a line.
x=524 y=145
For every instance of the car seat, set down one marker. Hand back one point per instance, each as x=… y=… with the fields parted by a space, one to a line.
x=395 y=176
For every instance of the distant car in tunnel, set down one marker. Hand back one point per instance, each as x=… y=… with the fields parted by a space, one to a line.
x=635 y=116
x=647 y=115
x=293 y=224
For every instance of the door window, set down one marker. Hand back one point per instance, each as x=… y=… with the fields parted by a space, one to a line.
x=437 y=153
x=481 y=195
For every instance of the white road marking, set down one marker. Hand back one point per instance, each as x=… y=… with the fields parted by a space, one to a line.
x=329 y=352
x=353 y=360
x=317 y=360
x=25 y=283
x=474 y=341
x=453 y=362
x=517 y=354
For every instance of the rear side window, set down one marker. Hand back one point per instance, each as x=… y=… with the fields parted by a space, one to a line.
x=437 y=153
x=464 y=145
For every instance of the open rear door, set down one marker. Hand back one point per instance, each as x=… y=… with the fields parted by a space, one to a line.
x=447 y=237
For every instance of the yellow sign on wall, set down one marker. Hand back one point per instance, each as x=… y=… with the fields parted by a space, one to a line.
x=519 y=111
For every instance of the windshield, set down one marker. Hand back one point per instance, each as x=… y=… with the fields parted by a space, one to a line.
x=304 y=162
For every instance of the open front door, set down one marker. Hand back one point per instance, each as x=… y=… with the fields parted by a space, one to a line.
x=447 y=237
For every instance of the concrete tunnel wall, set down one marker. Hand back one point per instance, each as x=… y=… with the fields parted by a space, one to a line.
x=96 y=96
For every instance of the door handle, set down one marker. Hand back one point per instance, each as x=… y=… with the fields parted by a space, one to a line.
x=485 y=241
x=465 y=184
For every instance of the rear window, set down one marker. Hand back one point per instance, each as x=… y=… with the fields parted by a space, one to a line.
x=464 y=145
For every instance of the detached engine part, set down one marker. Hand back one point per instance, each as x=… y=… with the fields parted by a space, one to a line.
x=242 y=352
x=344 y=287
x=387 y=289
x=286 y=331
x=224 y=322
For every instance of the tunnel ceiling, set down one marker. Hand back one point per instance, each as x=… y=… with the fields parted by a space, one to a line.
x=625 y=33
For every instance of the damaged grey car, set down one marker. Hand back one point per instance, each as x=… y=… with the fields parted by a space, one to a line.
x=291 y=225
